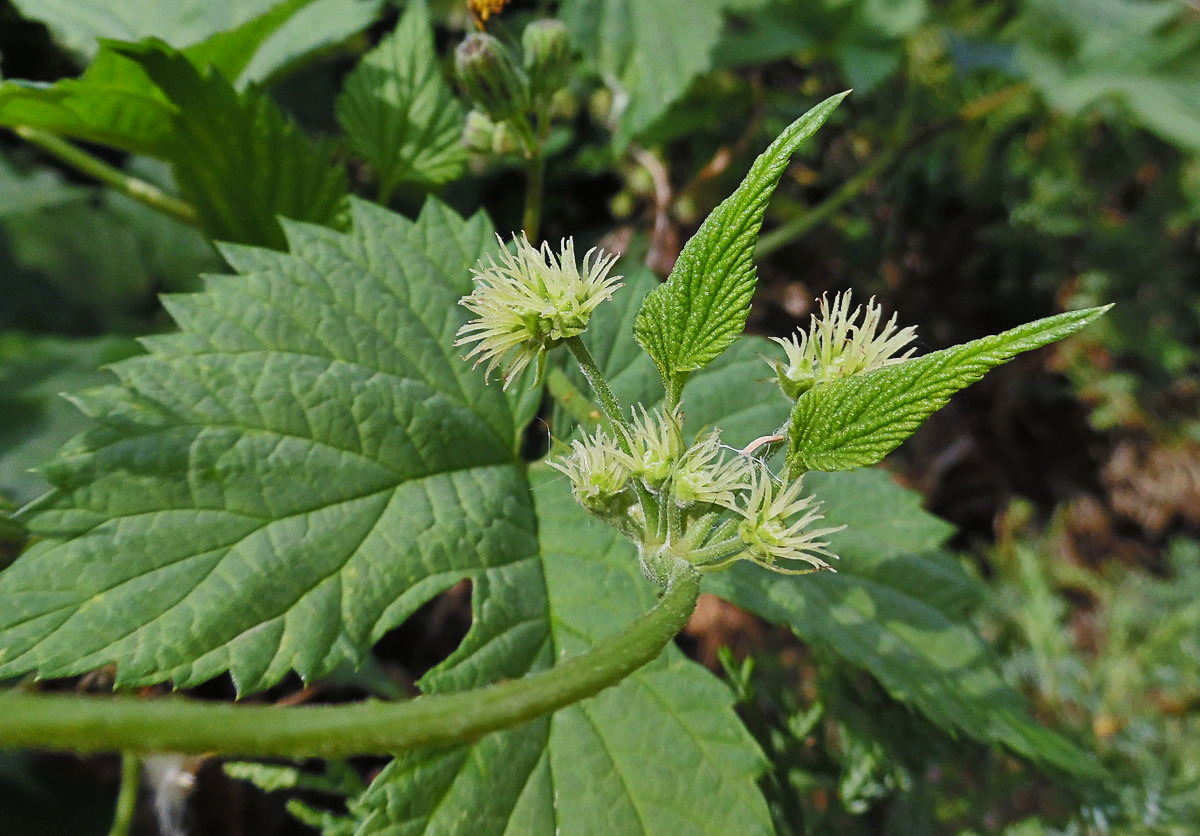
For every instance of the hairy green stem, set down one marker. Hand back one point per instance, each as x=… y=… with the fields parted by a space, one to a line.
x=612 y=411
x=131 y=779
x=90 y=724
x=132 y=187
x=595 y=379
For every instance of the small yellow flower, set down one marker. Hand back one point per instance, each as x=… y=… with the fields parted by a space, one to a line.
x=776 y=526
x=531 y=301
x=838 y=345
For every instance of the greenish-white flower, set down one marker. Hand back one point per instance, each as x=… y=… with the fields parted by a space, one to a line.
x=600 y=474
x=656 y=443
x=704 y=475
x=840 y=342
x=531 y=300
x=777 y=525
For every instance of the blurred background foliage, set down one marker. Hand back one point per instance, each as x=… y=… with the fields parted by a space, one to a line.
x=997 y=162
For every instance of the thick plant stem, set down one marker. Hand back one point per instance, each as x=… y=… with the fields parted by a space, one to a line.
x=131 y=779
x=131 y=187
x=90 y=724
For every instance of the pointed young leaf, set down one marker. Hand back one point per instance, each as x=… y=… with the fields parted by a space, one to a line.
x=857 y=420
x=288 y=477
x=399 y=113
x=236 y=158
x=609 y=763
x=702 y=308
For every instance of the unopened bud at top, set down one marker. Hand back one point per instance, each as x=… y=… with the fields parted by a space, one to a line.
x=490 y=77
x=547 y=48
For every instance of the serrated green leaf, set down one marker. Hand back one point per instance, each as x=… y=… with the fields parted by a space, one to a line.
x=34 y=420
x=609 y=764
x=399 y=113
x=702 y=308
x=281 y=482
x=857 y=420
x=648 y=53
x=114 y=102
x=236 y=158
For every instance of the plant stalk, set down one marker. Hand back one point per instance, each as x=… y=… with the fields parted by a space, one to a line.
x=91 y=724
x=128 y=185
x=127 y=795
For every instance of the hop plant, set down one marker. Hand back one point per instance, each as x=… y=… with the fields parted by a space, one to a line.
x=838 y=344
x=777 y=526
x=532 y=300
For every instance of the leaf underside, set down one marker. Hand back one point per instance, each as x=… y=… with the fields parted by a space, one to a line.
x=702 y=308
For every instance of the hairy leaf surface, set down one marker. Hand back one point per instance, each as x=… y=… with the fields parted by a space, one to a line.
x=398 y=111
x=857 y=420
x=609 y=764
x=702 y=308
x=288 y=477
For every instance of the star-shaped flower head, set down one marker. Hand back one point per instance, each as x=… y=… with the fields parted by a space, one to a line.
x=704 y=476
x=656 y=443
x=530 y=301
x=777 y=526
x=838 y=345
x=600 y=474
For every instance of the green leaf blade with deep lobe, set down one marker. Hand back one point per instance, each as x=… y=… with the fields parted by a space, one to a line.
x=270 y=489
x=857 y=420
x=606 y=764
x=399 y=113
x=702 y=308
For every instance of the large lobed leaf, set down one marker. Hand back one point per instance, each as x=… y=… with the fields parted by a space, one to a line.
x=284 y=480
x=609 y=764
x=857 y=420
x=702 y=308
x=399 y=113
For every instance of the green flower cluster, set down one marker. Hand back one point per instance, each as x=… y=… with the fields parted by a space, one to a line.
x=705 y=503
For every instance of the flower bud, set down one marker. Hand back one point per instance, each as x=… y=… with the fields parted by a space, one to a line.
x=547 y=48
x=490 y=78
